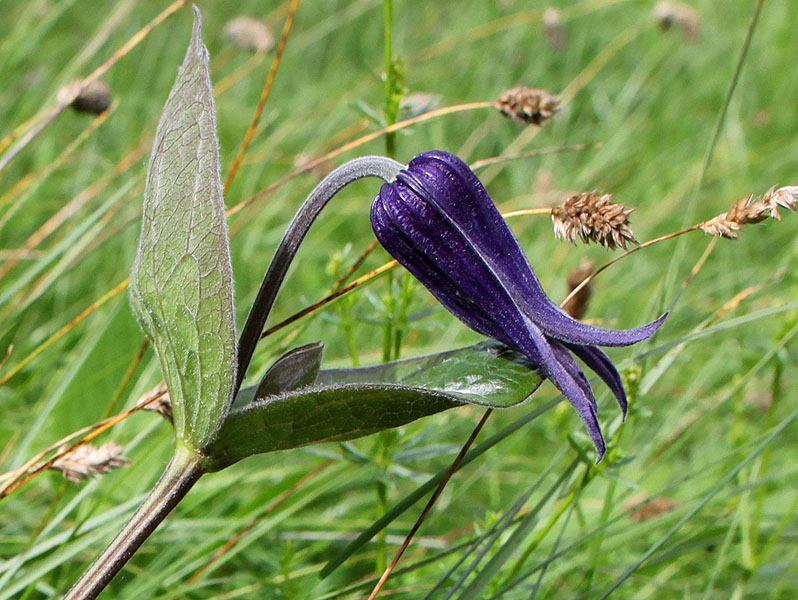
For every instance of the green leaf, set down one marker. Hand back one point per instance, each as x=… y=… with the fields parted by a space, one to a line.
x=295 y=369
x=344 y=404
x=486 y=374
x=181 y=287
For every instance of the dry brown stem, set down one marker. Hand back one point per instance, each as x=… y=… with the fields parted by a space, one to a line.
x=264 y=95
x=577 y=307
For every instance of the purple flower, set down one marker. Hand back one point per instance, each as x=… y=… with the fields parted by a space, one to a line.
x=438 y=221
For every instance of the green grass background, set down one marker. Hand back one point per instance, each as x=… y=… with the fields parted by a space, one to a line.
x=701 y=431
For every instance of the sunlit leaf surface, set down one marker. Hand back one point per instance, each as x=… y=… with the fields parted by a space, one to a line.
x=348 y=403
x=181 y=286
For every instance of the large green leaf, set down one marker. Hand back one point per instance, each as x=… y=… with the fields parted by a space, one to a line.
x=344 y=404
x=181 y=287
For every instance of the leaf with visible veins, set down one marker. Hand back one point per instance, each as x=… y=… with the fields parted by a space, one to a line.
x=343 y=404
x=181 y=287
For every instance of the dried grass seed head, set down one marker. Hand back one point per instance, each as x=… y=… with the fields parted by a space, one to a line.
x=669 y=14
x=649 y=508
x=747 y=211
x=249 y=34
x=784 y=196
x=530 y=105
x=593 y=217
x=88 y=461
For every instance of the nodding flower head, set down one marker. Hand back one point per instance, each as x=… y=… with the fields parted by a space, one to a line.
x=438 y=221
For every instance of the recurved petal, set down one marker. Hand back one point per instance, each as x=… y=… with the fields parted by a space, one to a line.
x=561 y=369
x=448 y=185
x=560 y=325
x=573 y=369
x=601 y=364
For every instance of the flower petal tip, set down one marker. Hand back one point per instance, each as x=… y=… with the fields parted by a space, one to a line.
x=601 y=450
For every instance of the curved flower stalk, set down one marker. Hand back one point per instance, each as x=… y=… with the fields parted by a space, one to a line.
x=438 y=221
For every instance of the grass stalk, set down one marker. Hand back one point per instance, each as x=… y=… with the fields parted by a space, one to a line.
x=390 y=82
x=390 y=108
x=264 y=95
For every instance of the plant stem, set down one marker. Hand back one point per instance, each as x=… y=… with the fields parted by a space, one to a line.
x=390 y=318
x=382 y=505
x=178 y=478
x=390 y=112
x=358 y=168
x=608 y=264
x=405 y=298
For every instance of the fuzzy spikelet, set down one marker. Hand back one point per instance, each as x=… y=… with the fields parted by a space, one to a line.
x=577 y=306
x=784 y=197
x=593 y=217
x=747 y=211
x=249 y=34
x=529 y=105
x=162 y=405
x=88 y=461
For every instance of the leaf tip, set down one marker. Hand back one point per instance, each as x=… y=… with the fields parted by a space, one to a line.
x=196 y=44
x=197 y=21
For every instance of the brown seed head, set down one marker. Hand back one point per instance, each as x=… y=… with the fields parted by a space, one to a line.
x=249 y=34
x=553 y=31
x=653 y=508
x=593 y=217
x=577 y=306
x=88 y=461
x=747 y=211
x=667 y=14
x=95 y=99
x=529 y=105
